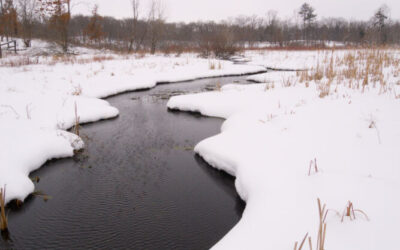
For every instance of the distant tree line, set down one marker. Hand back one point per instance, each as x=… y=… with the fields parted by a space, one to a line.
x=149 y=31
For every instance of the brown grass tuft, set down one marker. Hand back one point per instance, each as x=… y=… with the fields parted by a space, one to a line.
x=313 y=165
x=211 y=65
x=19 y=61
x=77 y=118
x=3 y=217
x=323 y=212
x=301 y=244
x=321 y=237
x=357 y=69
x=218 y=86
x=350 y=212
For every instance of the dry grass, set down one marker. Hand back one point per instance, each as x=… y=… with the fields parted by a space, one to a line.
x=361 y=69
x=3 y=217
x=372 y=125
x=53 y=60
x=71 y=59
x=269 y=85
x=219 y=65
x=323 y=212
x=211 y=65
x=321 y=237
x=301 y=244
x=288 y=81
x=19 y=61
x=77 y=119
x=324 y=88
x=44 y=196
x=313 y=165
x=218 y=86
x=396 y=96
x=350 y=212
x=77 y=90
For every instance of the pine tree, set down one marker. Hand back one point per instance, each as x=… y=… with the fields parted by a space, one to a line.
x=379 y=21
x=308 y=15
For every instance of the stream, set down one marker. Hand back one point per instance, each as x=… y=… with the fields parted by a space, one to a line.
x=137 y=185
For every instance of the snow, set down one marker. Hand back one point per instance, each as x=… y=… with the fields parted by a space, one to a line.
x=24 y=148
x=291 y=60
x=273 y=132
x=38 y=99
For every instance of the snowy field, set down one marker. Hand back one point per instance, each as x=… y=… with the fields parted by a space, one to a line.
x=332 y=133
x=39 y=93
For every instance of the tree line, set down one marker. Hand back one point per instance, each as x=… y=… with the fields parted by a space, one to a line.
x=149 y=30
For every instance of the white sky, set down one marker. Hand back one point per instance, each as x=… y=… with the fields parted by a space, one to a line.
x=194 y=10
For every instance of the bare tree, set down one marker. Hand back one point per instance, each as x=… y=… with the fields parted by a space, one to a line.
x=272 y=29
x=8 y=19
x=156 y=21
x=58 y=15
x=135 y=9
x=94 y=29
x=27 y=14
x=2 y=22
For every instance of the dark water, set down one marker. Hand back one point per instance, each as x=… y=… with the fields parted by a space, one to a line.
x=138 y=185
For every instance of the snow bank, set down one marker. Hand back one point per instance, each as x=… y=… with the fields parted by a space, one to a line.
x=30 y=132
x=268 y=141
x=24 y=148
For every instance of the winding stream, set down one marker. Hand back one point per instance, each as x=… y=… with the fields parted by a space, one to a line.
x=138 y=184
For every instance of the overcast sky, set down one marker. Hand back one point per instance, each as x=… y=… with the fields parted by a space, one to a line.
x=194 y=10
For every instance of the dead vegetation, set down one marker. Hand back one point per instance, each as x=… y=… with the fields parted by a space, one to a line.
x=362 y=69
x=313 y=166
x=321 y=236
x=77 y=90
x=3 y=217
x=211 y=65
x=288 y=81
x=218 y=86
x=68 y=59
x=42 y=195
x=77 y=119
x=350 y=212
x=269 y=85
x=19 y=61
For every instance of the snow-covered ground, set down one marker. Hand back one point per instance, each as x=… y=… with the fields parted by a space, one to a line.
x=292 y=60
x=276 y=132
x=342 y=116
x=39 y=93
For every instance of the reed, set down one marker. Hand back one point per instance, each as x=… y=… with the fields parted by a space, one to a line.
x=321 y=237
x=218 y=86
x=323 y=212
x=211 y=65
x=77 y=118
x=3 y=217
x=313 y=165
x=350 y=212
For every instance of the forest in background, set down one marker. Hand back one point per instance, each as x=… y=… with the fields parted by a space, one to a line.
x=149 y=30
